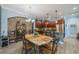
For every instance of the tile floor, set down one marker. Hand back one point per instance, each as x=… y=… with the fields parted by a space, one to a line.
x=70 y=46
x=14 y=48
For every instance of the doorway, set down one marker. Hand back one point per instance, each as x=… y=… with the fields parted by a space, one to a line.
x=73 y=30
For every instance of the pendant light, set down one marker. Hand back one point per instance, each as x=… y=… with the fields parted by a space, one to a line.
x=29 y=18
x=56 y=11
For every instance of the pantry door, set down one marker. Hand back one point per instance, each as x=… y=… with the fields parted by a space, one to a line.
x=73 y=30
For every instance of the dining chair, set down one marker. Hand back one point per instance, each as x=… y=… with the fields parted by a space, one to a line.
x=46 y=49
x=55 y=45
x=47 y=33
x=51 y=47
x=55 y=41
x=27 y=46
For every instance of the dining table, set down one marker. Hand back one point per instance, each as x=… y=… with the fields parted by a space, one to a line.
x=37 y=40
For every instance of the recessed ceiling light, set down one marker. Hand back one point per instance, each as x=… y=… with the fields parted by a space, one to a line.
x=62 y=16
x=72 y=14
x=59 y=13
x=74 y=8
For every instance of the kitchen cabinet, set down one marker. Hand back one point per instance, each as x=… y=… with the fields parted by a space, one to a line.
x=46 y=27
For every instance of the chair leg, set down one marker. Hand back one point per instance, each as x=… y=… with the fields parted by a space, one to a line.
x=55 y=49
x=34 y=49
x=22 y=50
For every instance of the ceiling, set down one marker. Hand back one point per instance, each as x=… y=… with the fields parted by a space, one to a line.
x=41 y=10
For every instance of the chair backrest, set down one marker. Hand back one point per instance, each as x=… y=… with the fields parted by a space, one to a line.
x=48 y=33
x=56 y=40
x=53 y=34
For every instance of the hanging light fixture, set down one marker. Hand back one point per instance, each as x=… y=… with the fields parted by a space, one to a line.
x=30 y=13
x=47 y=15
x=29 y=18
x=56 y=14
